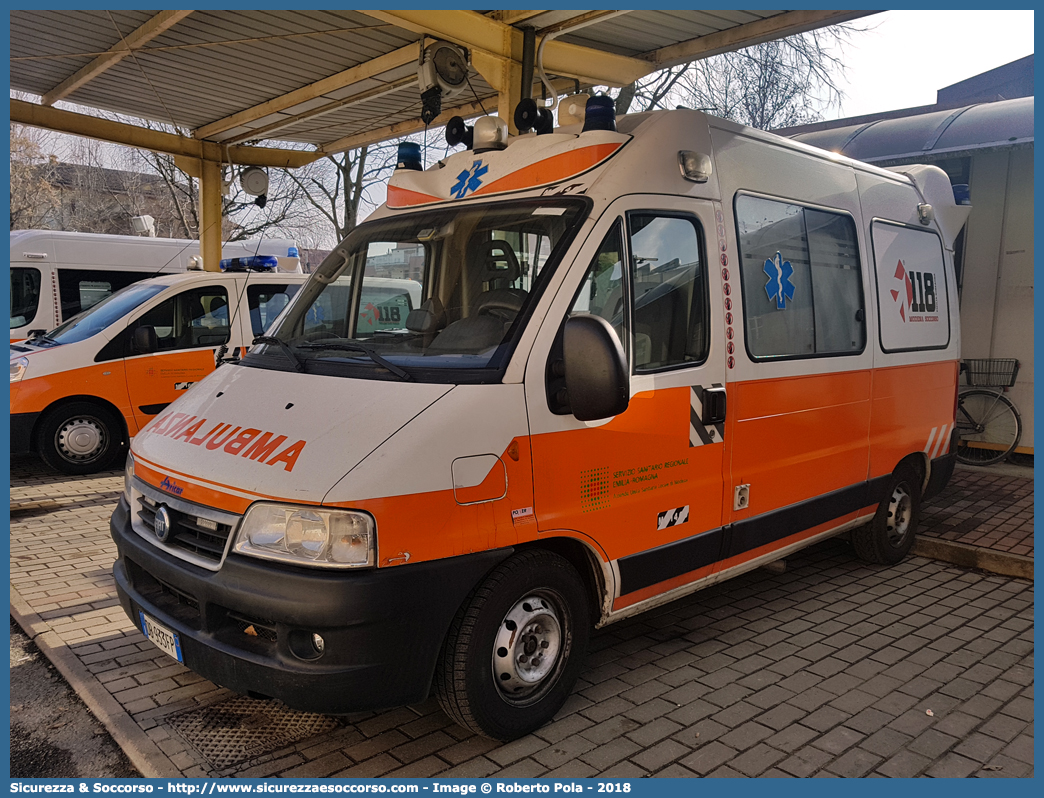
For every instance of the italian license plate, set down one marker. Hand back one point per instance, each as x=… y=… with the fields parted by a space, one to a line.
x=166 y=640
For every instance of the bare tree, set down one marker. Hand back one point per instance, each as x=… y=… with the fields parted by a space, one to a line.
x=34 y=199
x=776 y=84
x=339 y=186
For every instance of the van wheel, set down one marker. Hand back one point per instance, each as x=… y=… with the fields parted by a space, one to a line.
x=889 y=536
x=515 y=647
x=79 y=438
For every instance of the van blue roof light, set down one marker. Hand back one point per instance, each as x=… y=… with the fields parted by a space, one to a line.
x=409 y=156
x=255 y=263
x=292 y=253
x=600 y=114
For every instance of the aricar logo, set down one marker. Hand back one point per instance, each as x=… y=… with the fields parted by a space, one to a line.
x=779 y=287
x=171 y=486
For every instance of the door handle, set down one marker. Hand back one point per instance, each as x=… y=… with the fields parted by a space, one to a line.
x=713 y=410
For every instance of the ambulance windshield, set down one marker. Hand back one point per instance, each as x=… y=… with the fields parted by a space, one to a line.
x=434 y=296
x=98 y=317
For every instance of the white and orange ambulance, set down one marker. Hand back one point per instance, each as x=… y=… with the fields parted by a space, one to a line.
x=81 y=391
x=56 y=274
x=649 y=355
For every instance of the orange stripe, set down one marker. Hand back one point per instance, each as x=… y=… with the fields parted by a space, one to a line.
x=403 y=197
x=553 y=169
x=198 y=494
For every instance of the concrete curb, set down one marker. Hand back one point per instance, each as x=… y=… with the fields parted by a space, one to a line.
x=142 y=751
x=996 y=562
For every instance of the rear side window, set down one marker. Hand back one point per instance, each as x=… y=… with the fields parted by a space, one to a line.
x=81 y=289
x=802 y=286
x=25 y=295
x=914 y=305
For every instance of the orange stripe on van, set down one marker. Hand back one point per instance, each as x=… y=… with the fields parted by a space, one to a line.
x=907 y=403
x=153 y=475
x=551 y=170
x=404 y=198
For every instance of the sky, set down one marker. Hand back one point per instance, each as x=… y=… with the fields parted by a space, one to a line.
x=908 y=55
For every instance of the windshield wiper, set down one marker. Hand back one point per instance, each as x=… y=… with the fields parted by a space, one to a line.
x=362 y=349
x=273 y=341
x=41 y=339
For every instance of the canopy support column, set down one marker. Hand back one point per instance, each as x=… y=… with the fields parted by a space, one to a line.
x=210 y=215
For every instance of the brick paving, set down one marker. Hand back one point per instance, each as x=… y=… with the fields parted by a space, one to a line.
x=833 y=668
x=979 y=508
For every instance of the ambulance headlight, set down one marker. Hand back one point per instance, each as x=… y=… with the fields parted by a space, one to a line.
x=308 y=536
x=128 y=476
x=18 y=368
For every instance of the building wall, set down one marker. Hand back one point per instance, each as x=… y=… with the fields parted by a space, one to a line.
x=997 y=295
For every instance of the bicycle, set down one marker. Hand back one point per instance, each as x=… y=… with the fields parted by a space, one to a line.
x=989 y=426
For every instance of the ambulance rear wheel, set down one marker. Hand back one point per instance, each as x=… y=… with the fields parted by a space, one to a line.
x=79 y=438
x=515 y=647
x=887 y=539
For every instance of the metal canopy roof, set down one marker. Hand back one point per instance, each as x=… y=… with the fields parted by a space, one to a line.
x=334 y=79
x=1006 y=123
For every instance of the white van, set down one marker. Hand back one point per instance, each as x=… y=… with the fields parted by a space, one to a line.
x=81 y=391
x=57 y=274
x=649 y=356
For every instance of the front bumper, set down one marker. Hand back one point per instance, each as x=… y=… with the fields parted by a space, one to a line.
x=383 y=629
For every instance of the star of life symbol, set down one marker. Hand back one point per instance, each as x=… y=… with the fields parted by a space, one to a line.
x=899 y=296
x=779 y=286
x=469 y=180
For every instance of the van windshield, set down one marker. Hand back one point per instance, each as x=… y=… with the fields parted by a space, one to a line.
x=98 y=317
x=436 y=296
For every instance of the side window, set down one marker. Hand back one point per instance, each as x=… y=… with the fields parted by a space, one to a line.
x=802 y=286
x=911 y=288
x=25 y=295
x=80 y=289
x=671 y=314
x=602 y=291
x=266 y=301
x=328 y=315
x=192 y=319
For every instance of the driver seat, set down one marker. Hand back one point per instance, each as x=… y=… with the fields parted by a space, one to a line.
x=495 y=266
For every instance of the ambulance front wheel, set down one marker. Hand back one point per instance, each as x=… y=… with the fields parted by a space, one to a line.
x=79 y=438
x=890 y=535
x=515 y=648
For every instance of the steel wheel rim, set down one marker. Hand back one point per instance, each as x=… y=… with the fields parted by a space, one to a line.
x=80 y=439
x=527 y=650
x=900 y=514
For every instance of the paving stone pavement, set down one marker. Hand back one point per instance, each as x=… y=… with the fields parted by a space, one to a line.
x=833 y=668
x=980 y=508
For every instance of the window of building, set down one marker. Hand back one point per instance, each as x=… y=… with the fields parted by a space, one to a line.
x=802 y=285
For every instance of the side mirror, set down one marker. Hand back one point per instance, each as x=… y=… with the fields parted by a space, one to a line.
x=595 y=369
x=145 y=340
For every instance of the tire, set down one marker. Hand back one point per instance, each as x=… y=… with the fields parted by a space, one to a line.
x=988 y=427
x=487 y=678
x=887 y=539
x=80 y=438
